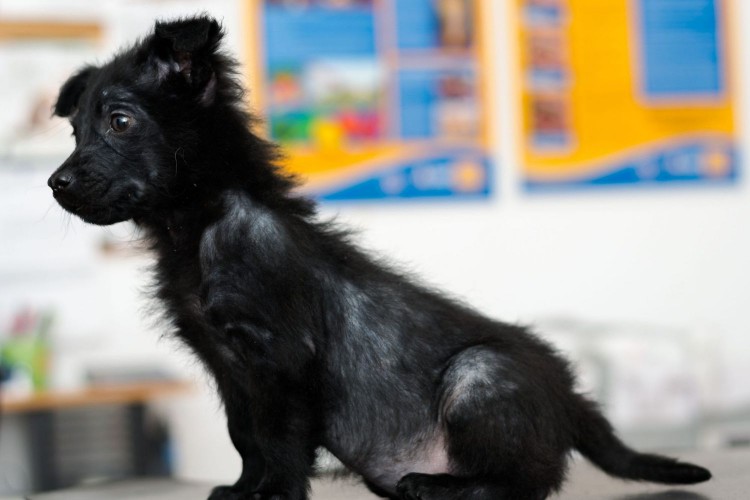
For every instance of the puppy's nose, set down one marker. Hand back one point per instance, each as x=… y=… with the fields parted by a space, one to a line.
x=58 y=182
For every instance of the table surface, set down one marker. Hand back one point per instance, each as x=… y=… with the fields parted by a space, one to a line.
x=730 y=469
x=104 y=394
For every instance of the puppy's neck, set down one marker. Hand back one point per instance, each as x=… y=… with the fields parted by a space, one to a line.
x=179 y=228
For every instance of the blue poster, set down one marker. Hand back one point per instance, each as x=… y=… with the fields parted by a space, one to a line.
x=377 y=99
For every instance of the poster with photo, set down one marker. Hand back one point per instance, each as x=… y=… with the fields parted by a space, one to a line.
x=375 y=99
x=629 y=92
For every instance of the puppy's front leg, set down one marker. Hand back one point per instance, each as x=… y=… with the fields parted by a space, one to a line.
x=256 y=295
x=285 y=439
x=241 y=432
x=271 y=416
x=274 y=467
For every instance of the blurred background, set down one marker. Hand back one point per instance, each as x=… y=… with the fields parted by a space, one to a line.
x=569 y=164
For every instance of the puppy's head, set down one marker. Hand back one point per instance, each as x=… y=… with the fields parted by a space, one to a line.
x=134 y=120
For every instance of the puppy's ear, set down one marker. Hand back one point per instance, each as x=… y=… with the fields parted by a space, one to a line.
x=70 y=92
x=182 y=51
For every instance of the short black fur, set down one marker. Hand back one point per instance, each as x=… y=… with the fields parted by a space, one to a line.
x=312 y=342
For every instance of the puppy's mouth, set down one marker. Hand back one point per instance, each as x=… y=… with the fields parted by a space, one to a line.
x=101 y=214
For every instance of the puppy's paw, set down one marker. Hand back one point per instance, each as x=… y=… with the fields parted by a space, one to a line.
x=412 y=487
x=281 y=496
x=231 y=493
x=417 y=486
x=285 y=492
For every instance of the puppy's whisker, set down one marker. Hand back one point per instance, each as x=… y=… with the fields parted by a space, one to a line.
x=46 y=212
x=66 y=220
x=175 y=159
x=44 y=131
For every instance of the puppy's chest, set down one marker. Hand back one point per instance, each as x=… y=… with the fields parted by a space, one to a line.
x=179 y=288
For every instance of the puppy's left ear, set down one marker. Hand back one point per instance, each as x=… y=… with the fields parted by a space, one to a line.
x=182 y=51
x=70 y=92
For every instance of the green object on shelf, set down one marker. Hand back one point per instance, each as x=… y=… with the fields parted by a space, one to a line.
x=28 y=351
x=29 y=354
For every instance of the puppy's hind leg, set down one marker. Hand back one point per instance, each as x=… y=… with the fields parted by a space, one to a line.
x=506 y=434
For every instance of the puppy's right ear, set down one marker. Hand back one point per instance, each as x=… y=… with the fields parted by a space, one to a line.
x=182 y=52
x=71 y=91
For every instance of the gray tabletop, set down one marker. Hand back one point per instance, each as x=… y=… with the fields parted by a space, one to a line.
x=730 y=468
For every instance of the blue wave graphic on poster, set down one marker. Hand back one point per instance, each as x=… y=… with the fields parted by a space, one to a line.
x=704 y=161
x=454 y=174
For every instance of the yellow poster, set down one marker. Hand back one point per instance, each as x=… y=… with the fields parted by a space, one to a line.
x=625 y=92
x=375 y=99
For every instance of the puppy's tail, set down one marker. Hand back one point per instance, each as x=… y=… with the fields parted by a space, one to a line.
x=596 y=441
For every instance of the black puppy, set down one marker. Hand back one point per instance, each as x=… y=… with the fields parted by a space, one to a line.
x=312 y=342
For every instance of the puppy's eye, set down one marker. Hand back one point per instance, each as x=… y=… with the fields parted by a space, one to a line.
x=119 y=122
